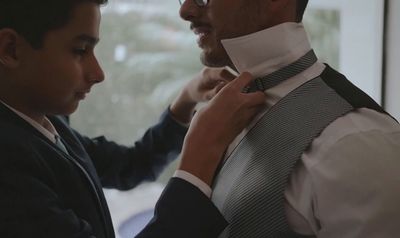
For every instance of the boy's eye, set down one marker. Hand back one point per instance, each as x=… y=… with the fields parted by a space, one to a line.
x=80 y=51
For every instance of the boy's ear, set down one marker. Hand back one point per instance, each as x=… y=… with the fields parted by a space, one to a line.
x=8 y=48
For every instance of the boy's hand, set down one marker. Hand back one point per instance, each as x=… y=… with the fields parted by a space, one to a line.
x=215 y=126
x=204 y=86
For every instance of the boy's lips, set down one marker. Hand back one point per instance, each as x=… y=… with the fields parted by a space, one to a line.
x=82 y=94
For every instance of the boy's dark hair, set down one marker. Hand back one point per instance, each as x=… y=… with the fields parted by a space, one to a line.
x=32 y=19
x=301 y=7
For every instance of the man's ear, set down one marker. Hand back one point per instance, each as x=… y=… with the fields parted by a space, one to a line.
x=8 y=48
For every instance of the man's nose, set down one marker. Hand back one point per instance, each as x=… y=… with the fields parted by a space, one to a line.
x=189 y=10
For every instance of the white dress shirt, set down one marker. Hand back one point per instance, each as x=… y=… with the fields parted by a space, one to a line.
x=347 y=184
x=47 y=129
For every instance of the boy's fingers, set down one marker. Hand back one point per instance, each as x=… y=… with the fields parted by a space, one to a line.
x=256 y=98
x=243 y=80
x=225 y=74
x=219 y=86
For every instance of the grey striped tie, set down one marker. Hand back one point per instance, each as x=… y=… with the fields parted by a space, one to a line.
x=277 y=77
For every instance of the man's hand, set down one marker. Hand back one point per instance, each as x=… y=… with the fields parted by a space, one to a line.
x=215 y=126
x=204 y=86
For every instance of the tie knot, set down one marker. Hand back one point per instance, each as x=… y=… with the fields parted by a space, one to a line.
x=277 y=77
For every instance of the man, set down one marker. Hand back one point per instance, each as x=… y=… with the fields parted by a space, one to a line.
x=51 y=176
x=323 y=159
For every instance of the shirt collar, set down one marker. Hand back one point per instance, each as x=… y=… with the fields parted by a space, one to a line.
x=47 y=129
x=266 y=51
x=269 y=50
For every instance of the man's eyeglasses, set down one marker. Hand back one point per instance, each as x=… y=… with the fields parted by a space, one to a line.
x=200 y=3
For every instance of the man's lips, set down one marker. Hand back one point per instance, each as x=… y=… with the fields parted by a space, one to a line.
x=200 y=29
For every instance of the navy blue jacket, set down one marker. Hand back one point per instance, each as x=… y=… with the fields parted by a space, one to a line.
x=45 y=192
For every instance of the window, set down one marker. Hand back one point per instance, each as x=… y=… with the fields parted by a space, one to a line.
x=359 y=38
x=148 y=53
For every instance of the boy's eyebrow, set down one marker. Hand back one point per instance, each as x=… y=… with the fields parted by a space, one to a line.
x=87 y=38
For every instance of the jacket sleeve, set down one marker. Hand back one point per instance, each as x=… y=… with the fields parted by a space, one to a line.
x=30 y=207
x=124 y=167
x=184 y=211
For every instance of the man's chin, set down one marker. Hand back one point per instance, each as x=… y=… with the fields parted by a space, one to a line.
x=211 y=61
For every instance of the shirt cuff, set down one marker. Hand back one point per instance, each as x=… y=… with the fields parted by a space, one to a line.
x=194 y=180
x=186 y=125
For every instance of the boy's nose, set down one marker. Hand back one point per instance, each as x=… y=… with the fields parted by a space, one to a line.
x=96 y=73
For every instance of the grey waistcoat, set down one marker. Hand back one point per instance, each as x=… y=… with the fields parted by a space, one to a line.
x=249 y=188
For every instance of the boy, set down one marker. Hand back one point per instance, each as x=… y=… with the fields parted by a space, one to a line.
x=50 y=175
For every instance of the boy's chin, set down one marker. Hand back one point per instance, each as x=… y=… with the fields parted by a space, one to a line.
x=67 y=110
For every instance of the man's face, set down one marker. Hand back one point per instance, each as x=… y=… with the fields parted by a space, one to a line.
x=224 y=19
x=54 y=78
